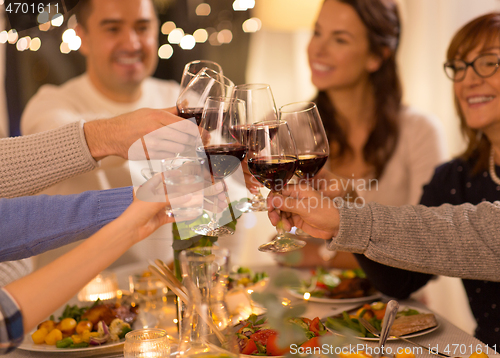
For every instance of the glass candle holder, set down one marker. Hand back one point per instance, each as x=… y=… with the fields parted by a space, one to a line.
x=146 y=343
x=104 y=287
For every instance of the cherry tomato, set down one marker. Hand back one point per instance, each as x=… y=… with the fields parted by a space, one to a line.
x=314 y=326
x=263 y=335
x=273 y=349
x=250 y=348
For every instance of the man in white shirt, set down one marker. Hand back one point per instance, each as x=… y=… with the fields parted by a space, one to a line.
x=120 y=43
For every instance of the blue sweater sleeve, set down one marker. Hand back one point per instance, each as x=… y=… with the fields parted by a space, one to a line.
x=35 y=224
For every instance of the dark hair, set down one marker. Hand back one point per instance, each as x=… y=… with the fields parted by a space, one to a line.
x=82 y=12
x=486 y=27
x=381 y=19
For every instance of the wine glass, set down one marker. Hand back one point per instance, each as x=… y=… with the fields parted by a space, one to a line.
x=192 y=68
x=260 y=107
x=206 y=83
x=222 y=151
x=310 y=138
x=272 y=160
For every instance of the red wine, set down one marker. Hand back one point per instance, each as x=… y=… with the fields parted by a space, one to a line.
x=187 y=113
x=224 y=159
x=273 y=172
x=308 y=165
x=242 y=132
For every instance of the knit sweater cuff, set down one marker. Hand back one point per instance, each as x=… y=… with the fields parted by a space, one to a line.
x=112 y=203
x=355 y=228
x=85 y=147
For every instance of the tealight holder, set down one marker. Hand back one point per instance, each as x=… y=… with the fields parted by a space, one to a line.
x=146 y=343
x=104 y=287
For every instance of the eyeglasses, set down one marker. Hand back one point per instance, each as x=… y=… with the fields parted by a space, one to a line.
x=484 y=65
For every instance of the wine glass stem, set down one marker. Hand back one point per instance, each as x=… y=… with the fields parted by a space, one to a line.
x=213 y=221
x=280 y=229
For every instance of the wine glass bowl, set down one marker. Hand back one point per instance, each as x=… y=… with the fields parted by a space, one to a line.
x=192 y=68
x=206 y=83
x=260 y=107
x=272 y=160
x=310 y=137
x=222 y=152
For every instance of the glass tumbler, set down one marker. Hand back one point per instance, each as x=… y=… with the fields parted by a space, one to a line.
x=146 y=343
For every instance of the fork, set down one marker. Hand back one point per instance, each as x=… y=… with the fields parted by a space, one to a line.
x=376 y=333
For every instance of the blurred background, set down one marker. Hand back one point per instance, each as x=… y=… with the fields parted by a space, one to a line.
x=255 y=41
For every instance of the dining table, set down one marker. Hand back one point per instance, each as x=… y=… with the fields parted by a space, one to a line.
x=447 y=338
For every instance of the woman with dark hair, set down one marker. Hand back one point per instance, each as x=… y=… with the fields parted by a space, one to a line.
x=386 y=150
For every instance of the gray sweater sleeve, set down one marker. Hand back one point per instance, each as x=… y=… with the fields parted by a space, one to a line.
x=461 y=241
x=31 y=163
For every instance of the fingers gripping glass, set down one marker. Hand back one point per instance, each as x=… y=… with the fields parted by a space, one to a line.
x=484 y=65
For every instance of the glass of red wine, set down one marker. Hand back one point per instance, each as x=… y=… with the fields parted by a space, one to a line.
x=206 y=83
x=310 y=137
x=260 y=107
x=272 y=160
x=192 y=68
x=222 y=151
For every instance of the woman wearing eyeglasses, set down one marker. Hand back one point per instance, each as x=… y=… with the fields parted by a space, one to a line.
x=472 y=64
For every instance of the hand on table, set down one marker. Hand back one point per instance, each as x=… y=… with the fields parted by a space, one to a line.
x=305 y=208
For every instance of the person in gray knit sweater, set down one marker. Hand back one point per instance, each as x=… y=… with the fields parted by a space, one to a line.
x=29 y=164
x=461 y=241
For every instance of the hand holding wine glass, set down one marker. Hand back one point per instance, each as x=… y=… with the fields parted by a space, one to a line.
x=207 y=83
x=222 y=151
x=272 y=159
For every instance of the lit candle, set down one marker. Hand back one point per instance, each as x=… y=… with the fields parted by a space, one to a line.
x=104 y=287
x=146 y=343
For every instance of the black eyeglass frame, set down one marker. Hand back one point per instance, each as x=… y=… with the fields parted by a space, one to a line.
x=471 y=64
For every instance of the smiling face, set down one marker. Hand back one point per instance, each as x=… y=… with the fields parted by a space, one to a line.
x=120 y=41
x=339 y=51
x=479 y=98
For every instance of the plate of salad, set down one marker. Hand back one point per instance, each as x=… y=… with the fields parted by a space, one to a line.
x=102 y=325
x=256 y=338
x=410 y=321
x=336 y=286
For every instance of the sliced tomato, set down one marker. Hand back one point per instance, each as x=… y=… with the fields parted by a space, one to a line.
x=273 y=349
x=250 y=348
x=263 y=335
x=313 y=342
x=306 y=321
x=314 y=326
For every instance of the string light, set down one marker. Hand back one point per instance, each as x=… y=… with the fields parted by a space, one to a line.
x=72 y=22
x=212 y=39
x=23 y=43
x=203 y=9
x=167 y=27
x=35 y=44
x=43 y=17
x=175 y=36
x=225 y=36
x=64 y=48
x=44 y=27
x=57 y=20
x=3 y=37
x=252 y=25
x=200 y=35
x=165 y=52
x=75 y=43
x=12 y=36
x=187 y=42
x=68 y=35
x=243 y=5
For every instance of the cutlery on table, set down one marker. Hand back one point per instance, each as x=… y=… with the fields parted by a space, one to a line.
x=390 y=315
x=376 y=333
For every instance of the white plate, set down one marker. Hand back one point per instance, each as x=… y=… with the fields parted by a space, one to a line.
x=411 y=335
x=28 y=345
x=144 y=319
x=335 y=300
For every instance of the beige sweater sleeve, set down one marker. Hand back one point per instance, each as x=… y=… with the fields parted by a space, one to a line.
x=29 y=164
x=461 y=241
